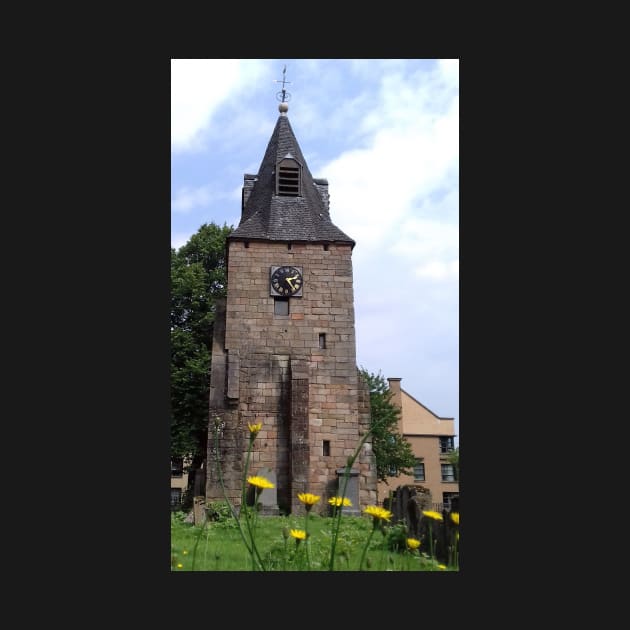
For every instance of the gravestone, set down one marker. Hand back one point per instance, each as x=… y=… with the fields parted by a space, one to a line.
x=199 y=510
x=351 y=492
x=268 y=498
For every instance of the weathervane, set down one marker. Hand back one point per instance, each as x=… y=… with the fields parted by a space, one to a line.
x=284 y=97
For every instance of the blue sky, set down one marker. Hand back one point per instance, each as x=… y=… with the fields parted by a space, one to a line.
x=385 y=134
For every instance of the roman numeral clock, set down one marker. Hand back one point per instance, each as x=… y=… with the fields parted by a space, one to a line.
x=286 y=280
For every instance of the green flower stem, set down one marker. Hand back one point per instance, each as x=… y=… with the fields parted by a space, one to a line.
x=299 y=563
x=367 y=544
x=229 y=504
x=252 y=550
x=455 y=551
x=384 y=552
x=337 y=514
x=307 y=543
x=205 y=549
x=194 y=553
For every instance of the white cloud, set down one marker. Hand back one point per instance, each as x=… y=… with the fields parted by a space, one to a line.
x=396 y=192
x=413 y=154
x=198 y=88
x=426 y=240
x=180 y=238
x=438 y=270
x=187 y=199
x=449 y=69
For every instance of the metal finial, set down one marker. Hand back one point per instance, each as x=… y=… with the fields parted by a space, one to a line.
x=284 y=97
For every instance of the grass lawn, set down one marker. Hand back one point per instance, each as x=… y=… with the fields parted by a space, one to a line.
x=219 y=546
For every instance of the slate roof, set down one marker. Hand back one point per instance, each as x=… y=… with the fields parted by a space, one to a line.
x=268 y=216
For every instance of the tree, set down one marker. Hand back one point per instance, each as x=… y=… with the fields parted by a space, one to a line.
x=453 y=458
x=392 y=451
x=198 y=279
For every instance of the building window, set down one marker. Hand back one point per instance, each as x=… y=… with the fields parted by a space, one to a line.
x=448 y=472
x=447 y=444
x=326 y=448
x=281 y=306
x=325 y=247
x=176 y=498
x=288 y=177
x=418 y=471
x=177 y=467
x=322 y=340
x=393 y=471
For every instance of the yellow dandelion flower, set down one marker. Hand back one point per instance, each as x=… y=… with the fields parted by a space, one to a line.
x=307 y=498
x=180 y=565
x=254 y=428
x=442 y=566
x=413 y=543
x=455 y=517
x=298 y=534
x=184 y=552
x=260 y=482
x=432 y=514
x=378 y=512
x=337 y=501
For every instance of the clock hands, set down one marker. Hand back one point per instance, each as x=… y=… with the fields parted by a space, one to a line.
x=290 y=283
x=282 y=283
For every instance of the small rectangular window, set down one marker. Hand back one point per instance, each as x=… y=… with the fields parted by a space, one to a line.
x=418 y=471
x=177 y=467
x=447 y=444
x=322 y=340
x=326 y=448
x=281 y=306
x=325 y=247
x=448 y=472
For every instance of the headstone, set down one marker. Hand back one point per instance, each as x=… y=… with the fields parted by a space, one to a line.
x=351 y=490
x=268 y=499
x=199 y=510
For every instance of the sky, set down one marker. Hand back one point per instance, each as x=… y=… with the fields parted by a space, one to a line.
x=385 y=134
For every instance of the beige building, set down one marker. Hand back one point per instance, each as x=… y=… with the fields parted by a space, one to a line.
x=432 y=441
x=179 y=481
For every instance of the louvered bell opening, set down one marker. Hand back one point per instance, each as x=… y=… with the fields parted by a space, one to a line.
x=289 y=181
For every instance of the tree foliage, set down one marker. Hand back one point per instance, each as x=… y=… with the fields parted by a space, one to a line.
x=391 y=449
x=198 y=279
x=453 y=458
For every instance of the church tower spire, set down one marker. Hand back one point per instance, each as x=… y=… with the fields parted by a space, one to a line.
x=284 y=349
x=283 y=201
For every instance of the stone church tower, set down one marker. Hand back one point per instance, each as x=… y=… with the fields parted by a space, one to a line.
x=284 y=350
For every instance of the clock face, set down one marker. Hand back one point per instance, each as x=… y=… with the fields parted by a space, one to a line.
x=286 y=280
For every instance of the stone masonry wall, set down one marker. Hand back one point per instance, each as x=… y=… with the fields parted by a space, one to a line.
x=276 y=362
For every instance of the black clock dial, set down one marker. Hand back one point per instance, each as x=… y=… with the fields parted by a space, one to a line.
x=286 y=280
